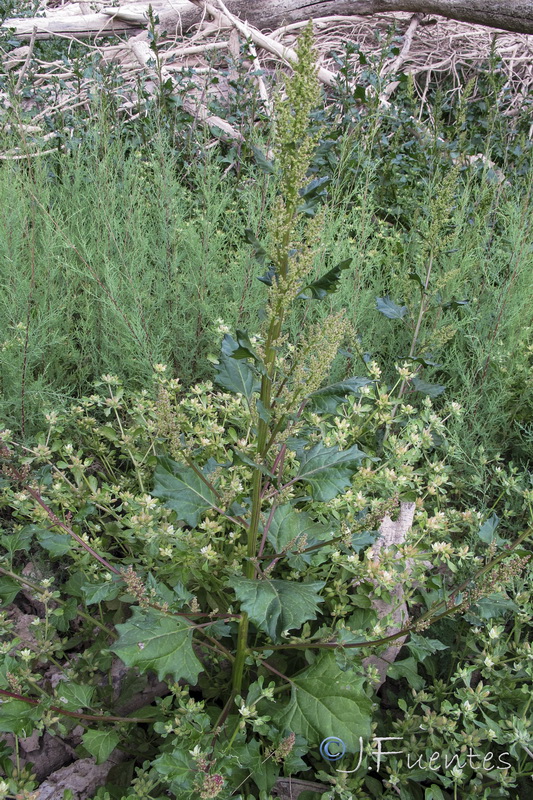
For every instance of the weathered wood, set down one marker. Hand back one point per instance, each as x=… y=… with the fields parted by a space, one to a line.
x=144 y=56
x=181 y=15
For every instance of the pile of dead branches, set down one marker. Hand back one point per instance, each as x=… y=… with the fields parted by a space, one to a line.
x=423 y=46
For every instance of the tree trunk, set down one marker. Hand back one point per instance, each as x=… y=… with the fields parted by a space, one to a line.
x=509 y=15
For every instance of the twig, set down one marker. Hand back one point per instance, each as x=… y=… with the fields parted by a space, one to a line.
x=27 y=62
x=21 y=156
x=143 y=54
x=76 y=714
x=401 y=57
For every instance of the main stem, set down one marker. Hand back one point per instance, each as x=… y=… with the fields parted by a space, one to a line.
x=263 y=445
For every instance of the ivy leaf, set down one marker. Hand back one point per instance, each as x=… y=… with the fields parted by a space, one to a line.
x=328 y=470
x=431 y=389
x=276 y=606
x=389 y=308
x=325 y=285
x=325 y=701
x=18 y=717
x=182 y=490
x=152 y=640
x=327 y=399
x=100 y=744
x=73 y=696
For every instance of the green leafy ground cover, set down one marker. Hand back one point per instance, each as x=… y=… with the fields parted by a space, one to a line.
x=200 y=503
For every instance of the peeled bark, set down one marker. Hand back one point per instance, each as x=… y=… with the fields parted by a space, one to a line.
x=180 y=15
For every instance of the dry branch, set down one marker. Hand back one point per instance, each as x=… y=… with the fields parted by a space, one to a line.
x=427 y=48
x=267 y=43
x=181 y=15
x=145 y=56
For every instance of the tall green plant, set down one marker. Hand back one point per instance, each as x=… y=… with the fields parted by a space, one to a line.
x=261 y=474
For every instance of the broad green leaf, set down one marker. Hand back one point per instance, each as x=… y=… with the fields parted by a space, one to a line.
x=152 y=640
x=260 y=255
x=422 y=647
x=325 y=285
x=20 y=540
x=177 y=768
x=312 y=195
x=96 y=593
x=414 y=276
x=363 y=539
x=325 y=701
x=407 y=668
x=182 y=490
x=495 y=606
x=263 y=771
x=109 y=432
x=290 y=529
x=389 y=308
x=316 y=187
x=9 y=589
x=433 y=792
x=73 y=696
x=426 y=361
x=487 y=532
x=57 y=544
x=264 y=164
x=269 y=275
x=455 y=304
x=277 y=606
x=242 y=458
x=100 y=744
x=431 y=389
x=8 y=664
x=244 y=347
x=233 y=371
x=19 y=717
x=327 y=399
x=259 y=251
x=328 y=470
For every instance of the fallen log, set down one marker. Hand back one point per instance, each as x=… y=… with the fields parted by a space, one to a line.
x=179 y=16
